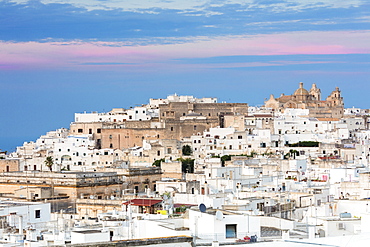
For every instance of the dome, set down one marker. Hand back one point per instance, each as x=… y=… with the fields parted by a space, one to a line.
x=301 y=90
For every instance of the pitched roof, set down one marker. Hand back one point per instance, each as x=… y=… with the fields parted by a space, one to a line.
x=284 y=98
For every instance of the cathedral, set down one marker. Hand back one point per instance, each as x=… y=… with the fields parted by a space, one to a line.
x=332 y=107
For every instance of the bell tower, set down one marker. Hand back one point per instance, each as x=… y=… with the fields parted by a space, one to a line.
x=315 y=92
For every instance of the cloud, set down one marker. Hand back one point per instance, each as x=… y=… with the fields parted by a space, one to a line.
x=121 y=20
x=80 y=53
x=196 y=4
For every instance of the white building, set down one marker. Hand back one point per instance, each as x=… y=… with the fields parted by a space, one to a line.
x=221 y=225
x=20 y=216
x=138 y=113
x=154 y=103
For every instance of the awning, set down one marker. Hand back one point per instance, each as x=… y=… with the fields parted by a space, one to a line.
x=142 y=202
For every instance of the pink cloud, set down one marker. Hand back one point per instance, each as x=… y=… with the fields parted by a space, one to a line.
x=79 y=54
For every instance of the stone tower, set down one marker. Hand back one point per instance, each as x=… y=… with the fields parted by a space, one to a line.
x=315 y=92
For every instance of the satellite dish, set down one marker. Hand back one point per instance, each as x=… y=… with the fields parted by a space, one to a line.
x=219 y=215
x=202 y=208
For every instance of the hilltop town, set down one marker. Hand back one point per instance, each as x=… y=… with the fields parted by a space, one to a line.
x=295 y=168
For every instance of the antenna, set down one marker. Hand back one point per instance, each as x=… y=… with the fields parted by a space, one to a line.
x=219 y=215
x=202 y=208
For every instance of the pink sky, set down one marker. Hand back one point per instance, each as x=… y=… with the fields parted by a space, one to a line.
x=71 y=54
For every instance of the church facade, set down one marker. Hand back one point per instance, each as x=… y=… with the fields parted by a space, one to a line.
x=332 y=107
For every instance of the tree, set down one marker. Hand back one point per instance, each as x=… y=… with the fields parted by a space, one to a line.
x=187 y=165
x=186 y=150
x=49 y=162
x=292 y=154
x=224 y=159
x=157 y=163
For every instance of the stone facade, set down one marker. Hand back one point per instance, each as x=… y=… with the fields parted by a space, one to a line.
x=142 y=179
x=128 y=137
x=176 y=110
x=332 y=107
x=9 y=165
x=72 y=184
x=177 y=120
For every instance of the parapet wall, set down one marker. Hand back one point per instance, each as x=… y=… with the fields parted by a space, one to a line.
x=183 y=241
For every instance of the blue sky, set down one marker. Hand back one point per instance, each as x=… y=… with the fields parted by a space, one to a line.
x=62 y=57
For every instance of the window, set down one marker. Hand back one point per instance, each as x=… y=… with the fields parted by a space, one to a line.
x=341 y=226
x=159 y=153
x=171 y=128
x=98 y=131
x=80 y=130
x=240 y=137
x=195 y=127
x=231 y=231
x=90 y=131
x=37 y=214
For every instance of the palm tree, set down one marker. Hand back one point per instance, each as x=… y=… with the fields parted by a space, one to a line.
x=49 y=162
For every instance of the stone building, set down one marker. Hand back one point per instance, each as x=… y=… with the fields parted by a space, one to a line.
x=72 y=184
x=332 y=107
x=141 y=179
x=175 y=110
x=176 y=121
x=9 y=165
